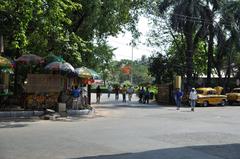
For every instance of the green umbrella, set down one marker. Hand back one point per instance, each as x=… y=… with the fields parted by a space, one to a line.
x=53 y=58
x=7 y=70
x=94 y=74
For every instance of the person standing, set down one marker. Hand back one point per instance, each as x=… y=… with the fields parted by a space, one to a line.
x=130 y=91
x=109 y=90
x=116 y=93
x=178 y=96
x=76 y=95
x=98 y=94
x=193 y=98
x=124 y=92
x=146 y=96
x=141 y=95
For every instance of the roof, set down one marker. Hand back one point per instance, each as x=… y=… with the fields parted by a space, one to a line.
x=206 y=89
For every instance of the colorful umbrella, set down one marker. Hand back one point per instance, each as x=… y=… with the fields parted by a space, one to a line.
x=94 y=74
x=53 y=58
x=7 y=70
x=84 y=72
x=30 y=59
x=60 y=66
x=5 y=63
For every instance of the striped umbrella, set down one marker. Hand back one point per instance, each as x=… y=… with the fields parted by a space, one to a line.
x=60 y=66
x=5 y=63
x=84 y=72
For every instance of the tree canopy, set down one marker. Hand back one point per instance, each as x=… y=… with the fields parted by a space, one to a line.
x=73 y=29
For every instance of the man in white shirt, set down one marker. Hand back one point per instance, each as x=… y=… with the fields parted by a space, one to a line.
x=193 y=98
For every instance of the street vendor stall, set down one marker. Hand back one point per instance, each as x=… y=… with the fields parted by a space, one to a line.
x=43 y=90
x=87 y=77
x=5 y=72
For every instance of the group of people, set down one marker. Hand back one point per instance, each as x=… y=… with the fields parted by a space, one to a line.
x=192 y=98
x=144 y=95
x=117 y=90
x=79 y=97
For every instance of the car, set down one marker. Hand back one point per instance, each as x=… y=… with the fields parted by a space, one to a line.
x=210 y=96
x=234 y=96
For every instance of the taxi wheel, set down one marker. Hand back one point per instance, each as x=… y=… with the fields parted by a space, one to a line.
x=223 y=103
x=205 y=103
x=230 y=103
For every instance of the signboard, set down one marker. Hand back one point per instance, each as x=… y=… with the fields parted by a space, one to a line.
x=41 y=83
x=178 y=82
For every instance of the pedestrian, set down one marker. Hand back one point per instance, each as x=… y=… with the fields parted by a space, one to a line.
x=98 y=93
x=146 y=96
x=116 y=93
x=141 y=95
x=76 y=92
x=193 y=98
x=130 y=91
x=124 y=92
x=178 y=98
x=109 y=90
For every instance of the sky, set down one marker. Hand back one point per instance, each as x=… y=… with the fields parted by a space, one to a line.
x=124 y=50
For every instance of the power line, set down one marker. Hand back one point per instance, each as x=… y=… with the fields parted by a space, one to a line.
x=138 y=48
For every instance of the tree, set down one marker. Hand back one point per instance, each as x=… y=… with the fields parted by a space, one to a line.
x=183 y=19
x=70 y=28
x=228 y=34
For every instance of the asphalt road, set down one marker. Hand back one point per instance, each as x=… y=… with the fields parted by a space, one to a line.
x=127 y=131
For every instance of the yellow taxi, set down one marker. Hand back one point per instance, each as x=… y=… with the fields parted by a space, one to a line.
x=234 y=96
x=210 y=96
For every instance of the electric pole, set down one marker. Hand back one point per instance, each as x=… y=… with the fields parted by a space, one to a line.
x=132 y=67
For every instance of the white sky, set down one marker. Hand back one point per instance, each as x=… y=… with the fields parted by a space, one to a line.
x=124 y=50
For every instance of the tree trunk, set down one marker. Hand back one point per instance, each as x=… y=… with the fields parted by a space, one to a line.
x=228 y=73
x=210 y=54
x=188 y=32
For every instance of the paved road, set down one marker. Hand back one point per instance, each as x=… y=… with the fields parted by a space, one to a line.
x=127 y=131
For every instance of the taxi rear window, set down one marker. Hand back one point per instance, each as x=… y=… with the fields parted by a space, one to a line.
x=236 y=91
x=199 y=92
x=211 y=92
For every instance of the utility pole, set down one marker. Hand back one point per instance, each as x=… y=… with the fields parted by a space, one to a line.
x=132 y=66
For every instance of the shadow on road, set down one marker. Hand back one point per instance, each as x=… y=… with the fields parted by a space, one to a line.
x=119 y=106
x=15 y=123
x=229 y=151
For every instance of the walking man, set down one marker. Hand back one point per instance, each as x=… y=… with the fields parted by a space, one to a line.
x=178 y=97
x=130 y=91
x=109 y=90
x=193 y=98
x=98 y=92
x=124 y=92
x=146 y=96
x=116 y=93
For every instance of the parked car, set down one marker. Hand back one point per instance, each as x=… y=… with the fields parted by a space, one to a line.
x=234 y=96
x=210 y=96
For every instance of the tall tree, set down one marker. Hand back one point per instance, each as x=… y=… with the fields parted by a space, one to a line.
x=184 y=17
x=228 y=44
x=212 y=9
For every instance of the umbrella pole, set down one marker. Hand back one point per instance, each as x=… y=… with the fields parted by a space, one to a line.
x=89 y=94
x=15 y=80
